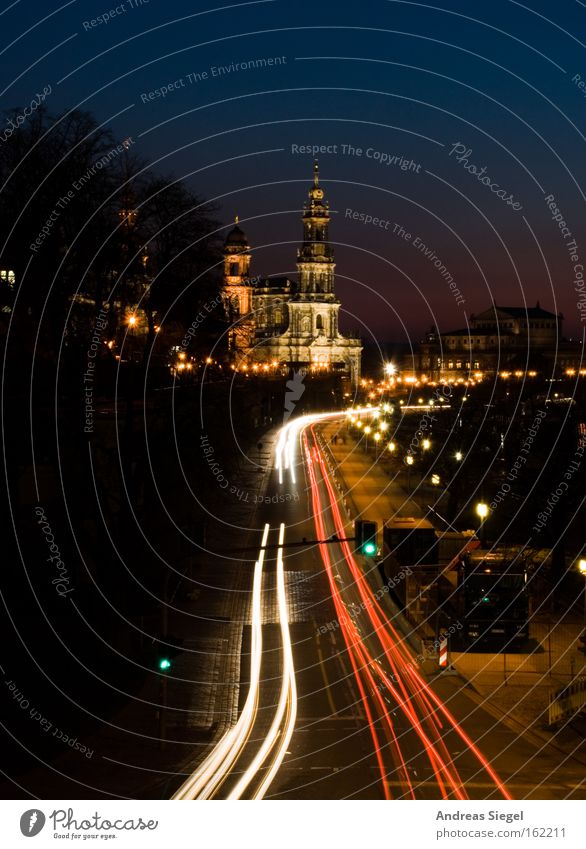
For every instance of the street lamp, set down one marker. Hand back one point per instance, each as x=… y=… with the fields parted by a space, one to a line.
x=409 y=460
x=459 y=456
x=390 y=369
x=482 y=511
x=582 y=570
x=392 y=447
x=367 y=430
x=426 y=444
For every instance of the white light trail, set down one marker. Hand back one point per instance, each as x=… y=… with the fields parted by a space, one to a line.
x=212 y=772
x=287 y=700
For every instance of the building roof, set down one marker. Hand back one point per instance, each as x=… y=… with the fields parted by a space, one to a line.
x=465 y=331
x=517 y=312
x=236 y=238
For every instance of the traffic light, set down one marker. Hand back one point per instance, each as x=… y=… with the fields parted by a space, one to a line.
x=161 y=653
x=365 y=537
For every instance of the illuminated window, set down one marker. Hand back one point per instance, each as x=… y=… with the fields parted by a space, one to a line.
x=8 y=276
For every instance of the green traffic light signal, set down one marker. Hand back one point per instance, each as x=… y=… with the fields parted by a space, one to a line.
x=369 y=548
x=164 y=663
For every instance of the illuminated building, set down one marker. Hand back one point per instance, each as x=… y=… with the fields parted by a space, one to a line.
x=497 y=339
x=277 y=320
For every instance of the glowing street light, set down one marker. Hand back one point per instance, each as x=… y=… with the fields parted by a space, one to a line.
x=390 y=369
x=458 y=455
x=367 y=430
x=426 y=444
x=482 y=511
x=392 y=447
x=132 y=320
x=409 y=460
x=582 y=569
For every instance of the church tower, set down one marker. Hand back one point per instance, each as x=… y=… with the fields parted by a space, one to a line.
x=315 y=258
x=237 y=292
x=278 y=322
x=314 y=309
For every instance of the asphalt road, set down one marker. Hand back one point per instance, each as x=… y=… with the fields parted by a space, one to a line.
x=370 y=722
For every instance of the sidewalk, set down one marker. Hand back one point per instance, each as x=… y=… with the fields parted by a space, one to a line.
x=515 y=686
x=369 y=489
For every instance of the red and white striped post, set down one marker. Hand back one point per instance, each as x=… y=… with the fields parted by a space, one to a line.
x=443 y=653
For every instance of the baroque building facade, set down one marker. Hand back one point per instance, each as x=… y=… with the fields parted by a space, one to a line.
x=292 y=323
x=498 y=340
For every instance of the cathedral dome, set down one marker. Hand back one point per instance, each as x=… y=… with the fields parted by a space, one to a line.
x=236 y=239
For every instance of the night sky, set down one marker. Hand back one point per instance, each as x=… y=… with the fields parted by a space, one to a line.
x=394 y=79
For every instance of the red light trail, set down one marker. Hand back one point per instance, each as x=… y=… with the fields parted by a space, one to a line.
x=424 y=711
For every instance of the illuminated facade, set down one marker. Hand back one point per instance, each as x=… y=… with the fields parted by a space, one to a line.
x=277 y=320
x=497 y=339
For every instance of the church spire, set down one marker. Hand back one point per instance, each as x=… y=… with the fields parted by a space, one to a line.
x=315 y=259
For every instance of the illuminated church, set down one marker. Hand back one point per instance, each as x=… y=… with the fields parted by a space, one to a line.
x=277 y=320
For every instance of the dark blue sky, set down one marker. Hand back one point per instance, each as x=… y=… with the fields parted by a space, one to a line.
x=396 y=79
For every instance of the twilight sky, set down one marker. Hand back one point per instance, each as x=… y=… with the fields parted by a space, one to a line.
x=446 y=88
